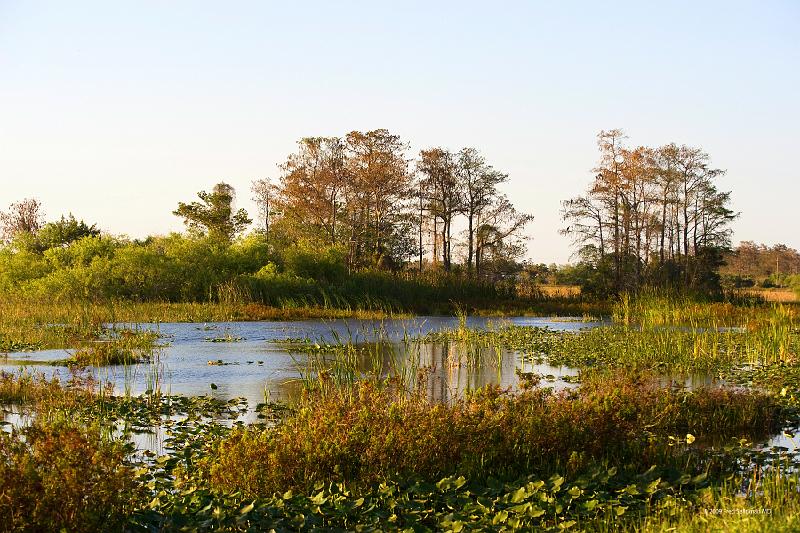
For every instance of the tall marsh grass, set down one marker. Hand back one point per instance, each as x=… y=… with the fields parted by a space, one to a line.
x=717 y=333
x=656 y=308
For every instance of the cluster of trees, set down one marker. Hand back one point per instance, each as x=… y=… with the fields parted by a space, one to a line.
x=752 y=264
x=362 y=193
x=23 y=225
x=554 y=274
x=652 y=216
x=351 y=222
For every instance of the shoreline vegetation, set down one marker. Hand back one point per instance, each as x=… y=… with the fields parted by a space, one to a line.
x=31 y=324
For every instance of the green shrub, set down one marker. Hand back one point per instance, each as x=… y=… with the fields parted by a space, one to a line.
x=325 y=265
x=179 y=268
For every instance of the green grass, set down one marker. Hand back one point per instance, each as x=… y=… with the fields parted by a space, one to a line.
x=770 y=336
x=654 y=308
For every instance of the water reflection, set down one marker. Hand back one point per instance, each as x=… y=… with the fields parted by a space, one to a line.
x=258 y=366
x=452 y=370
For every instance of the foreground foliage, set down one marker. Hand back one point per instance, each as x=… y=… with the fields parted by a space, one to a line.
x=353 y=459
x=58 y=477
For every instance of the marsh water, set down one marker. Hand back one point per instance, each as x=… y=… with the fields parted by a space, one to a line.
x=252 y=360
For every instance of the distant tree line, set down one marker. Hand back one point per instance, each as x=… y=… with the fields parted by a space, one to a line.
x=651 y=216
x=750 y=264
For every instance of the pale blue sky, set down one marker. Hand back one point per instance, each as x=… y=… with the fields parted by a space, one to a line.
x=117 y=110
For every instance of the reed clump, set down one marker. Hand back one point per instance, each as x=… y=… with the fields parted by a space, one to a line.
x=122 y=346
x=25 y=388
x=771 y=337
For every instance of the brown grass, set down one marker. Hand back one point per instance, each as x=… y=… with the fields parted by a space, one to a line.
x=564 y=291
x=771 y=295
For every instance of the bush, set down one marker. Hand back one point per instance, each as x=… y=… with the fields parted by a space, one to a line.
x=63 y=479
x=327 y=265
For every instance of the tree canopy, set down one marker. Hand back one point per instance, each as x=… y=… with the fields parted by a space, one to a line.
x=214 y=215
x=651 y=216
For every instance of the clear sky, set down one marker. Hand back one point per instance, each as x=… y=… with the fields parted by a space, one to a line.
x=116 y=111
